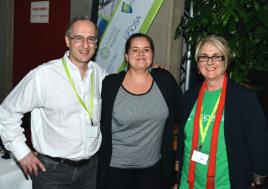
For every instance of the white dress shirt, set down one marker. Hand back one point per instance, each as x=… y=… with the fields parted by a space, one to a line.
x=60 y=126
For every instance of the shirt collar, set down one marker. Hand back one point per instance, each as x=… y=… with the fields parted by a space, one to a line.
x=73 y=66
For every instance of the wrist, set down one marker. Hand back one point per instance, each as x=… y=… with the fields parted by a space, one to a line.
x=258 y=180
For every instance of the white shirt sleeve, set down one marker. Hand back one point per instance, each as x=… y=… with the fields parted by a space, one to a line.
x=23 y=98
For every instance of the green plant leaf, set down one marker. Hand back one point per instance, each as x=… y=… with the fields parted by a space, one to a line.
x=263 y=17
x=243 y=23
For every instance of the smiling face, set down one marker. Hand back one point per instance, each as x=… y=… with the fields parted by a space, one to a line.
x=211 y=70
x=139 y=54
x=81 y=52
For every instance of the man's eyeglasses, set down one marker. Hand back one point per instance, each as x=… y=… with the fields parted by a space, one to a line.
x=81 y=39
x=212 y=58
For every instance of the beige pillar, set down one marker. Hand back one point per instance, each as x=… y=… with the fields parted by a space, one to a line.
x=81 y=7
x=168 y=50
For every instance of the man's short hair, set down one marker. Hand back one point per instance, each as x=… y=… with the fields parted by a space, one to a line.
x=68 y=30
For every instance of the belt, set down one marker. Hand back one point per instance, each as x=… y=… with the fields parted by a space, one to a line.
x=74 y=163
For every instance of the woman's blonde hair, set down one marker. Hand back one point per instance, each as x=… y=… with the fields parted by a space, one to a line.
x=220 y=43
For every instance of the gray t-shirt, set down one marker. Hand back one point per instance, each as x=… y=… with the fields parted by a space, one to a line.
x=138 y=122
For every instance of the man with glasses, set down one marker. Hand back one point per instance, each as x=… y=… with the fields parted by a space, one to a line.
x=64 y=99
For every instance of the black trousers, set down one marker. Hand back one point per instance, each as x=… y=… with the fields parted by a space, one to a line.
x=61 y=176
x=146 y=178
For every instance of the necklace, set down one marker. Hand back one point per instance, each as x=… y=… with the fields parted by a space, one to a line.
x=136 y=84
x=140 y=82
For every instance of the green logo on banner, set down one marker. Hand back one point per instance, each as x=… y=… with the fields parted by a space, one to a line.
x=126 y=8
x=105 y=52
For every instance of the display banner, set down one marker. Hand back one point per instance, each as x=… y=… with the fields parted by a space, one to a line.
x=129 y=16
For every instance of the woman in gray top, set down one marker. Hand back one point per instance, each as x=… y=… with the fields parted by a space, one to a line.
x=138 y=114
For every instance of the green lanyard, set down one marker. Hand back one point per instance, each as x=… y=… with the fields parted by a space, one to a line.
x=203 y=131
x=90 y=109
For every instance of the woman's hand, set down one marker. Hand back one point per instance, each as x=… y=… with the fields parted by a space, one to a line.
x=175 y=186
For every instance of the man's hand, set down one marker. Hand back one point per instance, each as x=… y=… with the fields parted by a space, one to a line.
x=155 y=65
x=30 y=164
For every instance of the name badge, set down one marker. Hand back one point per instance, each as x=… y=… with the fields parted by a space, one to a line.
x=200 y=157
x=93 y=131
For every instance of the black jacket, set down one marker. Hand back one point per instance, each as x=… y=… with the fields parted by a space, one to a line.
x=172 y=95
x=245 y=131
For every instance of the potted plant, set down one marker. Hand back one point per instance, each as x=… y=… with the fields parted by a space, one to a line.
x=243 y=23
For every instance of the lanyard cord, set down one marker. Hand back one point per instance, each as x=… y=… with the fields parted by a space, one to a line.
x=203 y=131
x=81 y=102
x=214 y=141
